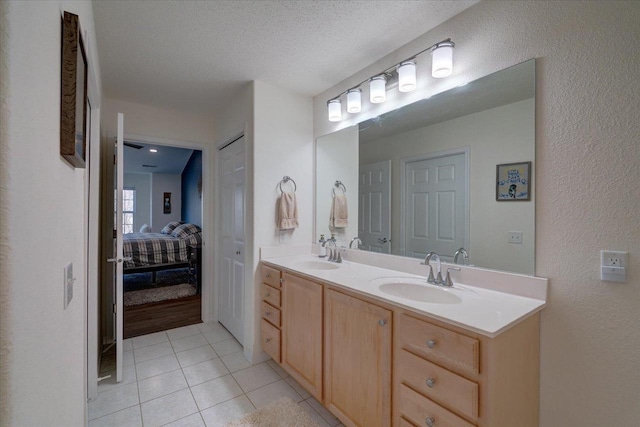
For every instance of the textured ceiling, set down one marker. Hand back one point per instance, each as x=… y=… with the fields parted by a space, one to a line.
x=165 y=160
x=195 y=55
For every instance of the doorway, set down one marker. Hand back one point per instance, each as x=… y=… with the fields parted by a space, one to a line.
x=231 y=199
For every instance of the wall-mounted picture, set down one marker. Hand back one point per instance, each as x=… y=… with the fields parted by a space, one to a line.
x=167 y=203
x=513 y=182
x=73 y=93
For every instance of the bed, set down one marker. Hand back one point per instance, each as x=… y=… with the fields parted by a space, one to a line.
x=178 y=245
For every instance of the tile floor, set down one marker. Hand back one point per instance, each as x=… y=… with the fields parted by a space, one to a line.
x=192 y=376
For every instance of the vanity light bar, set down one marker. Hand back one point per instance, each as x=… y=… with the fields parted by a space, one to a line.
x=441 y=66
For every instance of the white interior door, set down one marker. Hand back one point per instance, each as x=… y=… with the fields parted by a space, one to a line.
x=374 y=222
x=118 y=254
x=435 y=199
x=231 y=165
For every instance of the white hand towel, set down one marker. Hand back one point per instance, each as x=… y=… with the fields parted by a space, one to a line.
x=339 y=217
x=288 y=211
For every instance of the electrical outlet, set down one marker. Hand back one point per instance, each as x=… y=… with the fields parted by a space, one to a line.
x=515 y=237
x=613 y=258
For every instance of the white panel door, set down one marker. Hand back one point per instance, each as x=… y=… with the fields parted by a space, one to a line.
x=117 y=247
x=435 y=206
x=374 y=216
x=231 y=165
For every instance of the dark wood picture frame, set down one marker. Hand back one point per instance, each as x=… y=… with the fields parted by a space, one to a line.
x=73 y=93
x=513 y=182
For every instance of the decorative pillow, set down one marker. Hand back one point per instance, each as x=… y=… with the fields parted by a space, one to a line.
x=146 y=228
x=168 y=229
x=185 y=230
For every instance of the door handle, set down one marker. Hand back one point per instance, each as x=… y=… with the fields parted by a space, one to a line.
x=120 y=259
x=383 y=240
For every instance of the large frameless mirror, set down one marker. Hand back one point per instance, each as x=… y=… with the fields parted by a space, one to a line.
x=451 y=172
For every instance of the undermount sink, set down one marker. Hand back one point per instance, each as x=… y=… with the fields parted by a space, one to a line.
x=317 y=265
x=414 y=290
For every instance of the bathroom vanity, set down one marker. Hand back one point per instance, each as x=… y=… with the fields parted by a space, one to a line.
x=381 y=347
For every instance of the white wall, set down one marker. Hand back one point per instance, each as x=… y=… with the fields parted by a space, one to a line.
x=587 y=133
x=337 y=159
x=165 y=183
x=42 y=345
x=499 y=135
x=141 y=182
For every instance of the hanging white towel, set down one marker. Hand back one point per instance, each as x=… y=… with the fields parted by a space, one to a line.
x=339 y=217
x=288 y=211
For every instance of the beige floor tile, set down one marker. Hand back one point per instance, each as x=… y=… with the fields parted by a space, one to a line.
x=204 y=371
x=216 y=391
x=272 y=392
x=194 y=420
x=255 y=377
x=152 y=351
x=185 y=331
x=222 y=413
x=166 y=409
x=157 y=366
x=187 y=343
x=130 y=417
x=114 y=400
x=149 y=339
x=196 y=355
x=236 y=361
x=161 y=385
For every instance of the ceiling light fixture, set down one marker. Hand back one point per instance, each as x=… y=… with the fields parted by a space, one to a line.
x=153 y=150
x=335 y=110
x=442 y=59
x=442 y=66
x=407 y=76
x=354 y=100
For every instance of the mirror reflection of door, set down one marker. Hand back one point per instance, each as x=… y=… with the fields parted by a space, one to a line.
x=435 y=199
x=374 y=222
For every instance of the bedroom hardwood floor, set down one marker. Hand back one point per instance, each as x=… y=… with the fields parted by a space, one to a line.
x=161 y=316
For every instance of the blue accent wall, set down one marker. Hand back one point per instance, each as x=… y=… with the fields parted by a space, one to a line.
x=191 y=197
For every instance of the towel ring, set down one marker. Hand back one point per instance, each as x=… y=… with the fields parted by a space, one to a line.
x=340 y=186
x=286 y=179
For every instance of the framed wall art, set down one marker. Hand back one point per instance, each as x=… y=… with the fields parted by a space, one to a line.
x=513 y=182
x=167 y=203
x=73 y=93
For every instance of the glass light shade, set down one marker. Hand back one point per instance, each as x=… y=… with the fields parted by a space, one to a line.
x=354 y=101
x=407 y=76
x=335 y=110
x=442 y=60
x=378 y=89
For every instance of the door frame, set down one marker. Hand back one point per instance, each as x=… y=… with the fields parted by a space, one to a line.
x=248 y=235
x=429 y=156
x=208 y=314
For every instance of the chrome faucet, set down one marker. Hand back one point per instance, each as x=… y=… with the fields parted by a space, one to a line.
x=427 y=261
x=465 y=256
x=353 y=240
x=333 y=255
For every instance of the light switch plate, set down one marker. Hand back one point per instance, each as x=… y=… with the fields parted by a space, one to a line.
x=68 y=284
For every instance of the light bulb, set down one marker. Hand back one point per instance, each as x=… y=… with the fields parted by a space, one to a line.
x=377 y=89
x=354 y=100
x=442 y=60
x=407 y=76
x=335 y=110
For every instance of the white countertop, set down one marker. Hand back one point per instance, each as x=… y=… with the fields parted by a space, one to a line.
x=487 y=312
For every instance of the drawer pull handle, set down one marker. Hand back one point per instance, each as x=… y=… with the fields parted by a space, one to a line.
x=267 y=313
x=268 y=275
x=430 y=421
x=268 y=294
x=281 y=280
x=431 y=382
x=382 y=322
x=430 y=343
x=267 y=339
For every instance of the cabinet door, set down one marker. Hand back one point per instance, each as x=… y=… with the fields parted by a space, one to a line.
x=302 y=332
x=358 y=360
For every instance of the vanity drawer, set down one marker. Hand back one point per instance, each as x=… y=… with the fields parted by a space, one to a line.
x=270 y=340
x=270 y=314
x=418 y=409
x=270 y=276
x=447 y=348
x=405 y=423
x=449 y=389
x=270 y=295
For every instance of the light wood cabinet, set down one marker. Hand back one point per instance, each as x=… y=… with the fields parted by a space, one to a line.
x=302 y=332
x=358 y=360
x=270 y=312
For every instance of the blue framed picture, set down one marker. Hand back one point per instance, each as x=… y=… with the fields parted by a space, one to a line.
x=513 y=182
